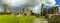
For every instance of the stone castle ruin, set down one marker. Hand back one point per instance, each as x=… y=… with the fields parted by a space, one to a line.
x=45 y=11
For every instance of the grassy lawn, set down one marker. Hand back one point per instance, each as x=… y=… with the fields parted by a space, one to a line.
x=15 y=19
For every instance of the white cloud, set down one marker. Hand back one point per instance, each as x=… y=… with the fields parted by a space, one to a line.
x=57 y=5
x=37 y=9
x=14 y=2
x=59 y=9
x=1 y=10
x=21 y=2
x=50 y=2
x=46 y=2
x=30 y=3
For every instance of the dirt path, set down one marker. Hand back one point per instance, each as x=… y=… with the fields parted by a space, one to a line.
x=39 y=20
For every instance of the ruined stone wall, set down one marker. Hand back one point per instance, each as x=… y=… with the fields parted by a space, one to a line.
x=54 y=18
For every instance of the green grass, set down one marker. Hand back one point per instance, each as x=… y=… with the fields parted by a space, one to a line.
x=8 y=19
x=26 y=19
x=14 y=19
x=42 y=17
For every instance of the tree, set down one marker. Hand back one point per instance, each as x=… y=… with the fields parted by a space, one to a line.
x=5 y=6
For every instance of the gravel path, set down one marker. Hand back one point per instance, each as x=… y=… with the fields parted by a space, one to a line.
x=39 y=20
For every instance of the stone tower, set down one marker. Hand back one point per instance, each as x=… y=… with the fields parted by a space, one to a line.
x=42 y=9
x=56 y=9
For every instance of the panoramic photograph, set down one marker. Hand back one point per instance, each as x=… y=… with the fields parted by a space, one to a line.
x=29 y=11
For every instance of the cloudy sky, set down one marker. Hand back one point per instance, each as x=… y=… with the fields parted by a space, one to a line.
x=35 y=5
